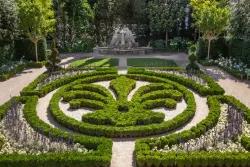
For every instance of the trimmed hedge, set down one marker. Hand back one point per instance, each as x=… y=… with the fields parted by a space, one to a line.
x=146 y=157
x=68 y=96
x=120 y=131
x=197 y=159
x=174 y=94
x=213 y=89
x=24 y=47
x=30 y=89
x=122 y=87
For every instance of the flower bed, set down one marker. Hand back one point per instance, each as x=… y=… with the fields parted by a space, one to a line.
x=100 y=156
x=146 y=155
x=230 y=65
x=10 y=70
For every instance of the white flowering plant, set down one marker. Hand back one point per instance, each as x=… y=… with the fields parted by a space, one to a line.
x=10 y=65
x=231 y=63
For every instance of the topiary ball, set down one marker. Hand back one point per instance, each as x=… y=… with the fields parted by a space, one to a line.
x=192 y=58
x=193 y=48
x=193 y=66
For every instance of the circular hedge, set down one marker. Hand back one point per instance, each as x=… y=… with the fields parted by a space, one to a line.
x=122 y=118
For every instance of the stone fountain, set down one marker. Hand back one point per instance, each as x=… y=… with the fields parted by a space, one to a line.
x=123 y=42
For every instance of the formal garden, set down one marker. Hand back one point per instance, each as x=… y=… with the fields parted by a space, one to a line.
x=159 y=100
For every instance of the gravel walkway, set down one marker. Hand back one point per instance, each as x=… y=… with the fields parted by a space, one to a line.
x=171 y=113
x=233 y=86
x=14 y=85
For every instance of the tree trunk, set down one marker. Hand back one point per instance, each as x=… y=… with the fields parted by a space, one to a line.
x=167 y=39
x=36 y=50
x=208 y=51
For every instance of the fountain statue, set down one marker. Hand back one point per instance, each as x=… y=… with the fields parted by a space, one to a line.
x=123 y=42
x=123 y=39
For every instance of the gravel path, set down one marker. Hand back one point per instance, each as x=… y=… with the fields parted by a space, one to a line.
x=76 y=114
x=233 y=86
x=106 y=84
x=171 y=113
x=138 y=85
x=123 y=149
x=44 y=114
x=14 y=85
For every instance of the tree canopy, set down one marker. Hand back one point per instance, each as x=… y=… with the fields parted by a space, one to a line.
x=213 y=18
x=36 y=19
x=240 y=24
x=167 y=14
x=8 y=21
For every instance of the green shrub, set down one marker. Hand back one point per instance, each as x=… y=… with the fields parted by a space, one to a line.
x=30 y=89
x=122 y=126
x=53 y=60
x=213 y=87
x=193 y=48
x=25 y=48
x=192 y=58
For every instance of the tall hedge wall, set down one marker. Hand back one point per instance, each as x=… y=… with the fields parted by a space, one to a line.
x=218 y=47
x=236 y=48
x=25 y=47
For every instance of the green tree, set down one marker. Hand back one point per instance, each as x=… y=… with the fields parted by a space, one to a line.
x=73 y=19
x=104 y=21
x=36 y=19
x=166 y=14
x=240 y=24
x=8 y=21
x=212 y=18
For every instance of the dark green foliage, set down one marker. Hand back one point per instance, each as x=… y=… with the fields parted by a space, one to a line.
x=192 y=59
x=158 y=45
x=25 y=48
x=83 y=45
x=193 y=66
x=240 y=20
x=53 y=60
x=235 y=48
x=175 y=46
x=9 y=21
x=219 y=47
x=240 y=49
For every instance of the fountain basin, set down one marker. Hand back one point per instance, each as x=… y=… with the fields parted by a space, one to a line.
x=134 y=51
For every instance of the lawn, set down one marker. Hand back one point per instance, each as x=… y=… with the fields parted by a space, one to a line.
x=95 y=62
x=150 y=62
